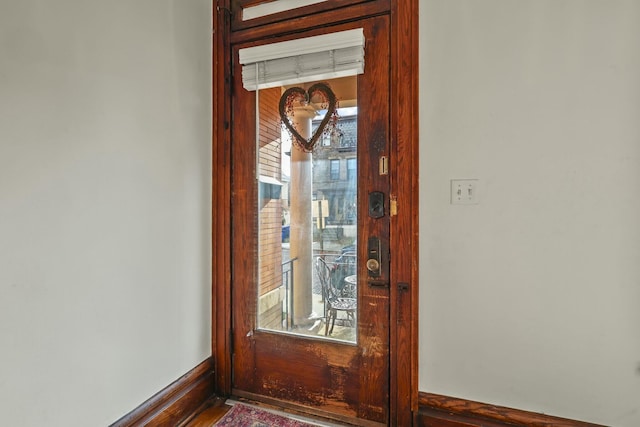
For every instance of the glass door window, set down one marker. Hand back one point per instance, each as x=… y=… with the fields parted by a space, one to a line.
x=306 y=215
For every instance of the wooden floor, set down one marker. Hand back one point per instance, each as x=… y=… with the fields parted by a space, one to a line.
x=208 y=414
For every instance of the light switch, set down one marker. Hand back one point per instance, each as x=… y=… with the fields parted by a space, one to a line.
x=464 y=192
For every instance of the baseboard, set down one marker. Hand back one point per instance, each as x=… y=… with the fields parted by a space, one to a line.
x=176 y=402
x=435 y=410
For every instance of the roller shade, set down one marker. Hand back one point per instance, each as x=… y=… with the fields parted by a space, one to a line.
x=321 y=57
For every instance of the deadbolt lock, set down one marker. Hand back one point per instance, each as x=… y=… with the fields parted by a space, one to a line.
x=376 y=204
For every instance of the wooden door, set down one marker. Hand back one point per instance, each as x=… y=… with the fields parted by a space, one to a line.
x=272 y=359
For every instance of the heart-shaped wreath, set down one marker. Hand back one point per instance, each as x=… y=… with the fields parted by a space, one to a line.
x=304 y=97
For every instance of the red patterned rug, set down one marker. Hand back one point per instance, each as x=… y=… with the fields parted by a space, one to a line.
x=247 y=416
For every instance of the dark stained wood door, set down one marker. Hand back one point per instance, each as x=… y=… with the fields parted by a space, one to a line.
x=328 y=377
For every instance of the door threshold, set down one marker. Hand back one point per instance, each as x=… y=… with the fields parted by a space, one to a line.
x=298 y=412
x=282 y=412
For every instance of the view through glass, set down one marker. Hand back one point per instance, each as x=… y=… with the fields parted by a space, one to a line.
x=307 y=216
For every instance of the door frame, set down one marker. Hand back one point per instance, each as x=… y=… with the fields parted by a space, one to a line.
x=403 y=169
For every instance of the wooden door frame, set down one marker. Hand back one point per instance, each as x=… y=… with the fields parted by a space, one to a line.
x=404 y=143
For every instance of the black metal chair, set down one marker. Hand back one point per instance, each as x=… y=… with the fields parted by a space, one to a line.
x=333 y=302
x=344 y=266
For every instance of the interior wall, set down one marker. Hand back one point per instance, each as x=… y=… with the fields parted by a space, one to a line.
x=530 y=299
x=105 y=177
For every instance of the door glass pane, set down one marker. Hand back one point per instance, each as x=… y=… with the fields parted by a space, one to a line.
x=307 y=224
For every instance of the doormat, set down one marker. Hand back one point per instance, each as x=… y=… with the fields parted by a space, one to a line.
x=248 y=416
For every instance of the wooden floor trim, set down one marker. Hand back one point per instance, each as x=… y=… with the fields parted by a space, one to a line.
x=176 y=402
x=444 y=411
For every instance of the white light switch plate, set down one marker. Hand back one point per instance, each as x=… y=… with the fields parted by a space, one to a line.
x=464 y=192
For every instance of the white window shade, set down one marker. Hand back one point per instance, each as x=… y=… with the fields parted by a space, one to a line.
x=296 y=61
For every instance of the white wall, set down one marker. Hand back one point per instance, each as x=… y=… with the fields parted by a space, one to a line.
x=531 y=299
x=104 y=204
